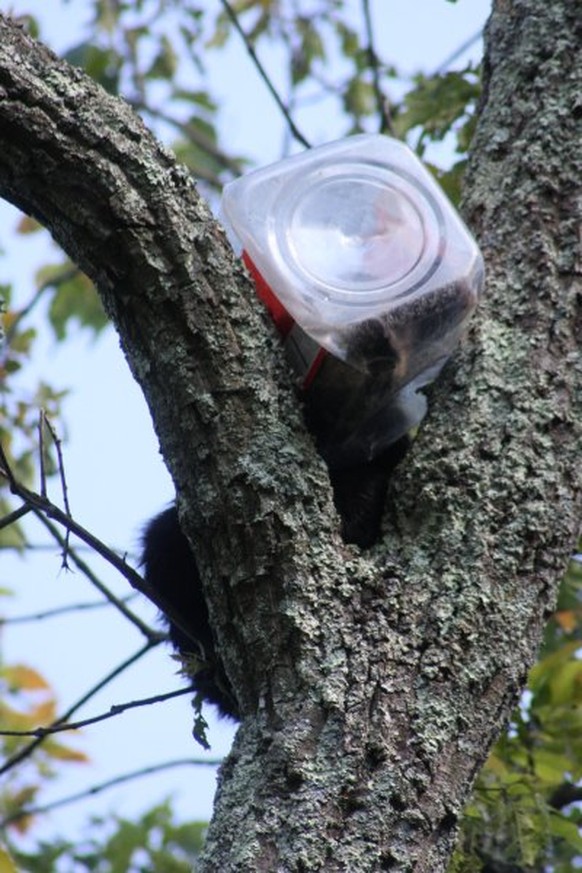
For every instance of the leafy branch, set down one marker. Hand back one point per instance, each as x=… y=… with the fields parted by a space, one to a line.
x=115 y=710
x=25 y=752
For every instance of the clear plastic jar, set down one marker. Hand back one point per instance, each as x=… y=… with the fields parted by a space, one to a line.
x=370 y=275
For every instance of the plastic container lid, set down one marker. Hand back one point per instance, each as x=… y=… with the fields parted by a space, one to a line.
x=349 y=230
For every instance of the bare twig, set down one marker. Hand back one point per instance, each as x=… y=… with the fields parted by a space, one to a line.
x=117 y=602
x=59 y=449
x=444 y=66
x=60 y=610
x=41 y=455
x=6 y=471
x=45 y=510
x=13 y=517
x=44 y=422
x=264 y=75
x=115 y=710
x=381 y=102
x=111 y=783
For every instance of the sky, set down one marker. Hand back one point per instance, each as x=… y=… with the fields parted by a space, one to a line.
x=116 y=477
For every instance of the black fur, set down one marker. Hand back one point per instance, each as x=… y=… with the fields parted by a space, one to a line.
x=170 y=568
x=359 y=493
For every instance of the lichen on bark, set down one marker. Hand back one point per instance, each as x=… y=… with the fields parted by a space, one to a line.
x=372 y=685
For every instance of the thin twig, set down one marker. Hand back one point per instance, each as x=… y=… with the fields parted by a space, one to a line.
x=41 y=455
x=117 y=602
x=45 y=422
x=381 y=102
x=25 y=752
x=264 y=75
x=444 y=66
x=115 y=710
x=29 y=546
x=61 y=462
x=60 y=610
x=44 y=506
x=13 y=517
x=6 y=470
x=45 y=510
x=111 y=783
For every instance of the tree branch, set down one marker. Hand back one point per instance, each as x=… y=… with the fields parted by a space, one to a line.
x=372 y=688
x=84 y=165
x=381 y=101
x=18 y=757
x=293 y=129
x=115 y=710
x=104 y=786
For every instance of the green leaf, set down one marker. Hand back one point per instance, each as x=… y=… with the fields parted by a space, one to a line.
x=541 y=673
x=58 y=751
x=359 y=98
x=7 y=865
x=437 y=102
x=560 y=826
x=198 y=97
x=5 y=296
x=566 y=684
x=309 y=49
x=349 y=39
x=165 y=63
x=76 y=300
x=200 y=724
x=21 y=342
x=103 y=65
x=550 y=766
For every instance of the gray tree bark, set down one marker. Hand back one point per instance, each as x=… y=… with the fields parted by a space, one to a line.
x=372 y=685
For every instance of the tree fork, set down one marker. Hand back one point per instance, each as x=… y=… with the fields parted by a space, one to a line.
x=372 y=686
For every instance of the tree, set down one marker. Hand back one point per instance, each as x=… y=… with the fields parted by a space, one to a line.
x=372 y=685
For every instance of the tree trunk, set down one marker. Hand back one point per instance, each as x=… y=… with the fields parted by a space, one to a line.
x=372 y=686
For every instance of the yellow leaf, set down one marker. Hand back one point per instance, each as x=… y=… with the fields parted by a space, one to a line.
x=28 y=225
x=17 y=803
x=567 y=619
x=21 y=676
x=7 y=865
x=37 y=716
x=57 y=750
x=24 y=797
x=45 y=713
